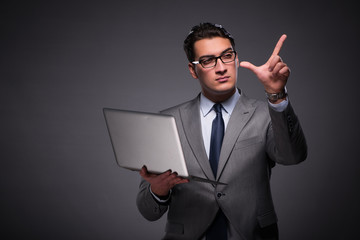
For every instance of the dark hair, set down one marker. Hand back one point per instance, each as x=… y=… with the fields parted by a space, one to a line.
x=201 y=31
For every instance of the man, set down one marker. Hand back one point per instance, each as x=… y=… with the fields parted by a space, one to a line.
x=229 y=138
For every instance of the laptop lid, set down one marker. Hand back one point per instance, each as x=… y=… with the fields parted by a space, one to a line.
x=149 y=139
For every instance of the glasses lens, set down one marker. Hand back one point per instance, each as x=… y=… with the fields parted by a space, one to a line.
x=208 y=62
x=228 y=57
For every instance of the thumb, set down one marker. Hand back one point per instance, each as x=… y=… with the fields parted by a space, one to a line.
x=248 y=65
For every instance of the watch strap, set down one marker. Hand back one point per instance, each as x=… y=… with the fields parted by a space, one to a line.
x=273 y=97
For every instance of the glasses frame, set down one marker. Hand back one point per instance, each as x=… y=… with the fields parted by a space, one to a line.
x=216 y=59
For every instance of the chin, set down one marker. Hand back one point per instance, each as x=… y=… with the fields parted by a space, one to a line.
x=226 y=88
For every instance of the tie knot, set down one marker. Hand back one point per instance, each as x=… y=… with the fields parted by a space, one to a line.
x=217 y=107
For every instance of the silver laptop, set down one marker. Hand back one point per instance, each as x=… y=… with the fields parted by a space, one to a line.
x=147 y=139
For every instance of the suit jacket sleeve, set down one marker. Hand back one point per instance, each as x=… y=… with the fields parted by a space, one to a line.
x=151 y=209
x=286 y=142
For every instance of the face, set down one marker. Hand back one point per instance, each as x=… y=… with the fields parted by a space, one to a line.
x=217 y=83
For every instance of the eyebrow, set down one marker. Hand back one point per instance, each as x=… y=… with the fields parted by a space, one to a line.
x=226 y=50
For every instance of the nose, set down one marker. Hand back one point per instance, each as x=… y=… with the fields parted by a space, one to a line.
x=220 y=66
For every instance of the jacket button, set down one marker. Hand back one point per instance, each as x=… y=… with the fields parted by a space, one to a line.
x=219 y=194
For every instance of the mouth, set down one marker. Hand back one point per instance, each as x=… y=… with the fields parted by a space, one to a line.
x=222 y=79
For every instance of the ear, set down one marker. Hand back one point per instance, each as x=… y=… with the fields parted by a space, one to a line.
x=192 y=70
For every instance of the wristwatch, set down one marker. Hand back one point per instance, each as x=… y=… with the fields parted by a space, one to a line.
x=273 y=97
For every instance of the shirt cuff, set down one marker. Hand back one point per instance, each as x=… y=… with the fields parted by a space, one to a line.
x=280 y=107
x=158 y=199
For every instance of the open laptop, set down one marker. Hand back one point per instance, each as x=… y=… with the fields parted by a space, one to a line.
x=147 y=139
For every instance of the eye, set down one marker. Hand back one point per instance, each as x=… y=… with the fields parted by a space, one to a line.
x=206 y=61
x=228 y=55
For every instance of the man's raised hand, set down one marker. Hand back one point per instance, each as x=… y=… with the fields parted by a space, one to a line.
x=274 y=73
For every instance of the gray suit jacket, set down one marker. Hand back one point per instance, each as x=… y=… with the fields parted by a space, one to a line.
x=256 y=138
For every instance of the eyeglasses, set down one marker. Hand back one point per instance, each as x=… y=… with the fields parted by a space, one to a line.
x=210 y=62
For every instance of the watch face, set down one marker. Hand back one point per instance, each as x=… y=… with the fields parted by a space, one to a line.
x=274 y=96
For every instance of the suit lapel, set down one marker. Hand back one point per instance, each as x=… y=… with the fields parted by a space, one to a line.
x=239 y=117
x=190 y=117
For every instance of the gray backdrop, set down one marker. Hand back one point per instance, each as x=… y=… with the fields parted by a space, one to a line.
x=62 y=62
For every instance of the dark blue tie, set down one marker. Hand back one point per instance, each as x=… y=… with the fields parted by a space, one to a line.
x=217 y=135
x=218 y=229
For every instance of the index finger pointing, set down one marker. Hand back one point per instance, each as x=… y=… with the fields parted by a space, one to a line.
x=279 y=45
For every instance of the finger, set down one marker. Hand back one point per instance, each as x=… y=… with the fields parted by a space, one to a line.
x=172 y=177
x=279 y=45
x=173 y=182
x=146 y=175
x=143 y=171
x=285 y=71
x=248 y=65
x=164 y=175
x=178 y=180
x=278 y=67
x=273 y=61
x=183 y=180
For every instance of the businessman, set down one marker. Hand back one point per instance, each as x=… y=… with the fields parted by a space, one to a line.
x=229 y=138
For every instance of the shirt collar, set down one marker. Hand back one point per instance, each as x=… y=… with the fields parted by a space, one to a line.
x=228 y=105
